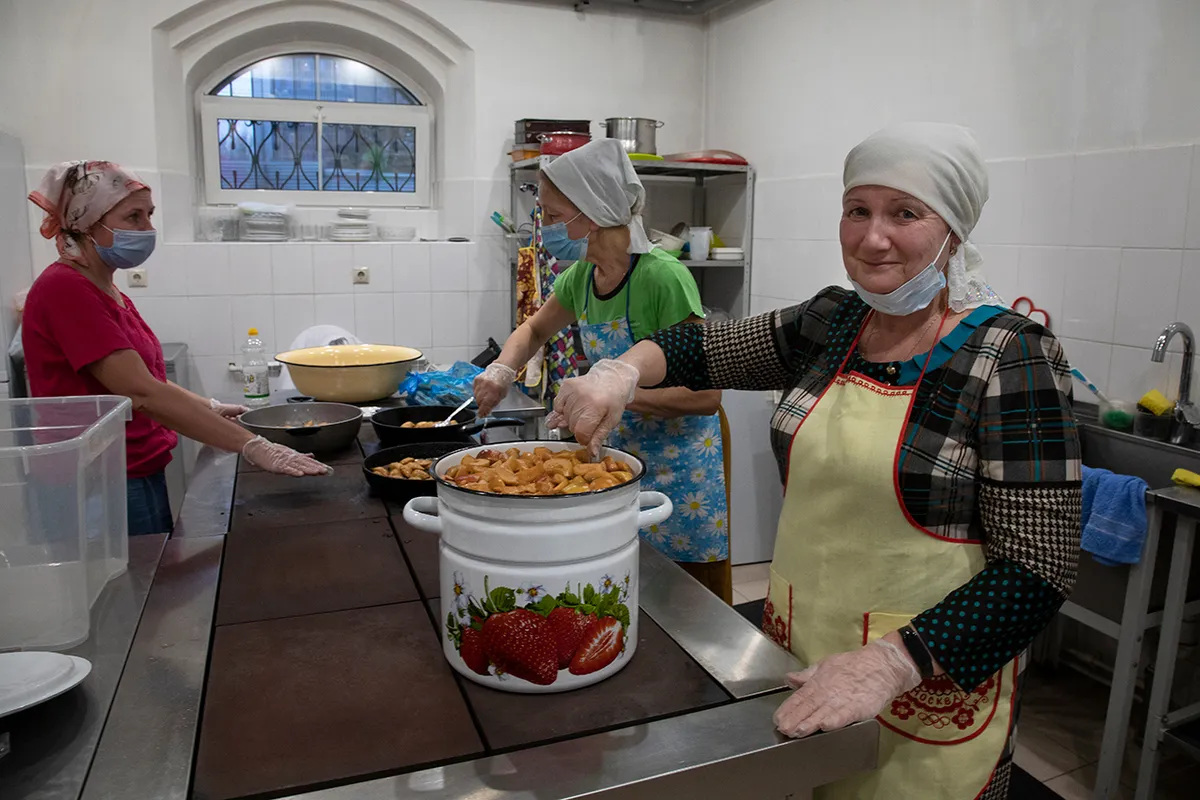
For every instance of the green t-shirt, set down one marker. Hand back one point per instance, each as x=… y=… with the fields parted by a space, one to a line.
x=660 y=289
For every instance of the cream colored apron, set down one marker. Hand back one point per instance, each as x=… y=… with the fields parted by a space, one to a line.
x=851 y=564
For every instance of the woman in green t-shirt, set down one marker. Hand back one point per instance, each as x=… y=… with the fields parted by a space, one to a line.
x=620 y=290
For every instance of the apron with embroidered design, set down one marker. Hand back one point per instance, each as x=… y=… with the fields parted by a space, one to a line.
x=683 y=455
x=851 y=565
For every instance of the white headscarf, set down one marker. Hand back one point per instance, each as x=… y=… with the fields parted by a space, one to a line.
x=940 y=165
x=599 y=180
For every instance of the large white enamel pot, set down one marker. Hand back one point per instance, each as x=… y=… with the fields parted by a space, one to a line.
x=501 y=552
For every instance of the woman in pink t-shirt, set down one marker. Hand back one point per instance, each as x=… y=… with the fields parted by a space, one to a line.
x=82 y=336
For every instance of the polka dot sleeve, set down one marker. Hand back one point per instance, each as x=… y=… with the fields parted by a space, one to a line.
x=986 y=622
x=683 y=348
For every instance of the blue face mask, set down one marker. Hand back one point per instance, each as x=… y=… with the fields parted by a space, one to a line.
x=559 y=243
x=129 y=248
x=913 y=295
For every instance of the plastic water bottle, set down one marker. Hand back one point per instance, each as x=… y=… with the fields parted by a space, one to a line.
x=256 y=389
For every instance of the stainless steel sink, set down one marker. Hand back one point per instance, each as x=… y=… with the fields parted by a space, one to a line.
x=1126 y=454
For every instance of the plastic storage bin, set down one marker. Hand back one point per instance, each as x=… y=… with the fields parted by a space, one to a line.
x=63 y=525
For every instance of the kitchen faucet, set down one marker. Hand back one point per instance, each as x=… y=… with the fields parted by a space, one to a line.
x=1187 y=416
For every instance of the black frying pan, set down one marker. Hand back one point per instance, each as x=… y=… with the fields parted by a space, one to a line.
x=399 y=490
x=387 y=424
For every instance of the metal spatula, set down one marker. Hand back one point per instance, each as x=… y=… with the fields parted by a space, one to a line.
x=454 y=413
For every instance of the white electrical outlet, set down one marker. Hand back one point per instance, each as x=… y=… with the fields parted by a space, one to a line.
x=362 y=275
x=137 y=279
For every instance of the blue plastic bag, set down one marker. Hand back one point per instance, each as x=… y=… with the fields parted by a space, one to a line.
x=440 y=387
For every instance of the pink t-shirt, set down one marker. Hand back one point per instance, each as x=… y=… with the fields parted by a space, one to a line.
x=70 y=323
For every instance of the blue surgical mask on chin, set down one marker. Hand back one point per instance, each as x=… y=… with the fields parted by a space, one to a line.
x=559 y=244
x=913 y=295
x=129 y=248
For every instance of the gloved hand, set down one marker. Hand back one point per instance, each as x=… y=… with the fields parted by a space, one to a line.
x=845 y=688
x=281 y=460
x=591 y=405
x=227 y=410
x=492 y=385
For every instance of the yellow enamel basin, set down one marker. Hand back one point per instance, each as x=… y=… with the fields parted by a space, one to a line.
x=349 y=373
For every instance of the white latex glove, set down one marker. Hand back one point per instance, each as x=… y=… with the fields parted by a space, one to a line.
x=591 y=405
x=845 y=688
x=492 y=385
x=282 y=460
x=227 y=410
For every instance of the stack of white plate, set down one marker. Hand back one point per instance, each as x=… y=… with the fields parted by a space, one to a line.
x=351 y=226
x=727 y=254
x=29 y=678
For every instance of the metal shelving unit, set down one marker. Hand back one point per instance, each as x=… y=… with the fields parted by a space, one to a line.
x=723 y=284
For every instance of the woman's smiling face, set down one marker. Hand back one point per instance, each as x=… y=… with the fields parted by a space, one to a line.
x=888 y=237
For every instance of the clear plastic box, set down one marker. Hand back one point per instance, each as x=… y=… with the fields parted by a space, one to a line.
x=63 y=524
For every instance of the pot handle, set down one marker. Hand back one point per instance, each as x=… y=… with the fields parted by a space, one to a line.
x=416 y=513
x=658 y=123
x=471 y=428
x=646 y=516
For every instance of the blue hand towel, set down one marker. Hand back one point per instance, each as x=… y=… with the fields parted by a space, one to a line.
x=1114 y=516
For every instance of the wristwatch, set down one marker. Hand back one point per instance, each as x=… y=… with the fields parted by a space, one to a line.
x=919 y=652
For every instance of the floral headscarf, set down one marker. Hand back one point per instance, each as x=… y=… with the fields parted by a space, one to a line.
x=75 y=195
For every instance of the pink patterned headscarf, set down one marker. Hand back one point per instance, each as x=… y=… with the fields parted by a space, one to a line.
x=76 y=194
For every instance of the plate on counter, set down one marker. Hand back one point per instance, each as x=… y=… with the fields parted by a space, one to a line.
x=27 y=679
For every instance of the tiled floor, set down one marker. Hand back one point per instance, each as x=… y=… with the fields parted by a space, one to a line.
x=1061 y=725
x=1058 y=740
x=750 y=582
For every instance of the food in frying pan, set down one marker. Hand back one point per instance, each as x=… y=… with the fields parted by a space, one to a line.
x=411 y=424
x=539 y=472
x=412 y=469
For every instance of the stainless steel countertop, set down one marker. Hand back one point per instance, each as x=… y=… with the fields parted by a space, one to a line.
x=53 y=744
x=147 y=747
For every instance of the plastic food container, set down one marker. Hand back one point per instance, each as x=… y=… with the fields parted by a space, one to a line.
x=64 y=536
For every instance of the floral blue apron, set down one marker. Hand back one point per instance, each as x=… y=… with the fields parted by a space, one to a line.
x=683 y=456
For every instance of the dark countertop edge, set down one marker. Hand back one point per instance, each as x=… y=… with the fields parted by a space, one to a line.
x=148 y=747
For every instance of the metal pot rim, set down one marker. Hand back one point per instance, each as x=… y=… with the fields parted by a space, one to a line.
x=350 y=366
x=633 y=484
x=357 y=416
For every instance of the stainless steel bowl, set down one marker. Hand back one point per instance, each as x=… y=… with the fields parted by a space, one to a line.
x=307 y=427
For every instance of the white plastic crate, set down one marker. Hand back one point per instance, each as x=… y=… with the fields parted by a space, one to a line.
x=63 y=524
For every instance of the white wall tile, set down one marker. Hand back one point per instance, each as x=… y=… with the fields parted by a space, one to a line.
x=1148 y=295
x=413 y=319
x=331 y=268
x=1157 y=195
x=1090 y=298
x=293 y=313
x=1092 y=359
x=250 y=268
x=773 y=273
x=1002 y=267
x=1188 y=309
x=373 y=318
x=490 y=196
x=770 y=214
x=378 y=257
x=491 y=265
x=761 y=304
x=1001 y=219
x=337 y=309
x=450 y=325
x=291 y=269
x=1100 y=198
x=1193 y=209
x=207 y=267
x=166 y=271
x=490 y=316
x=1132 y=374
x=166 y=316
x=211 y=377
x=450 y=265
x=810 y=207
x=210 y=326
x=446 y=356
x=458 y=205
x=1042 y=278
x=410 y=267
x=254 y=311
x=1046 y=210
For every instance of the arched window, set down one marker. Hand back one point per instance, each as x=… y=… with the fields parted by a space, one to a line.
x=310 y=128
